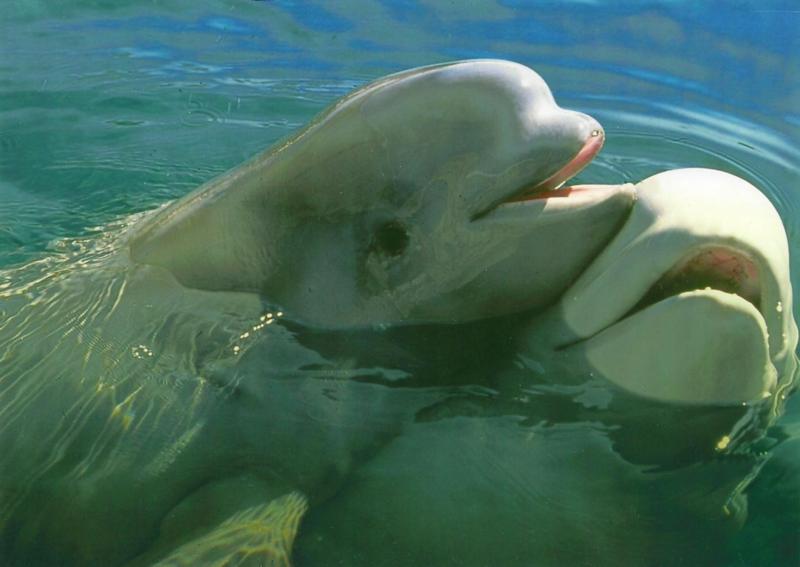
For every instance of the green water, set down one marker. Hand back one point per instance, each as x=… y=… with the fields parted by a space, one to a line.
x=437 y=448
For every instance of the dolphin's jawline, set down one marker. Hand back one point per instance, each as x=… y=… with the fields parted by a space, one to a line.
x=727 y=265
x=550 y=186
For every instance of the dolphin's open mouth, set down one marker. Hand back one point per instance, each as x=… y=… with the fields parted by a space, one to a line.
x=705 y=268
x=715 y=267
x=552 y=186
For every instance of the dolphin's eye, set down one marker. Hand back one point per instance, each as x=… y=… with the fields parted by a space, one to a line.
x=391 y=238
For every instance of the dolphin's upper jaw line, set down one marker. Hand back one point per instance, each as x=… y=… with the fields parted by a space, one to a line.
x=553 y=185
x=590 y=149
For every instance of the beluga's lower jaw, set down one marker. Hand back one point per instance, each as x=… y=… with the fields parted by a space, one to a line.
x=392 y=206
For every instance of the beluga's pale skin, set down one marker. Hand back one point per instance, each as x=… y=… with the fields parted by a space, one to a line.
x=400 y=205
x=124 y=413
x=159 y=406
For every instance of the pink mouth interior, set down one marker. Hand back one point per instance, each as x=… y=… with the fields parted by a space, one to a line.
x=717 y=267
x=547 y=188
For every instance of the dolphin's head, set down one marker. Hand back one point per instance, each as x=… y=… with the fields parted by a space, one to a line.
x=427 y=196
x=690 y=303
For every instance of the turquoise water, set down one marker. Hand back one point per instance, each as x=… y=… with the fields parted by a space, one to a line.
x=113 y=108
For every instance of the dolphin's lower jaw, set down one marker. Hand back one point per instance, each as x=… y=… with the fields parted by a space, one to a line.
x=697 y=347
x=691 y=301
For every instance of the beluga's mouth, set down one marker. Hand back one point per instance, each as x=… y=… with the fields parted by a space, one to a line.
x=550 y=186
x=553 y=184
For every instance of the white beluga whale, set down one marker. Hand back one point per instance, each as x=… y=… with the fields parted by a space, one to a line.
x=163 y=400
x=133 y=428
x=629 y=425
x=401 y=204
x=691 y=302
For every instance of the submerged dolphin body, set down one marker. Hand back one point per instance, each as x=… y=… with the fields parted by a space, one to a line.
x=129 y=427
x=689 y=308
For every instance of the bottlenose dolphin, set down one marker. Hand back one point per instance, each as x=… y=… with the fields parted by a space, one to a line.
x=691 y=302
x=130 y=428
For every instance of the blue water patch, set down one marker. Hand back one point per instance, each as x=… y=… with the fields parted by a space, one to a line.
x=210 y=24
x=510 y=30
x=162 y=23
x=264 y=42
x=469 y=53
x=228 y=25
x=573 y=8
x=145 y=52
x=369 y=46
x=299 y=61
x=406 y=10
x=193 y=67
x=314 y=16
x=773 y=25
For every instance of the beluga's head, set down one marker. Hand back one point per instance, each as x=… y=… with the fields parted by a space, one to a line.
x=431 y=195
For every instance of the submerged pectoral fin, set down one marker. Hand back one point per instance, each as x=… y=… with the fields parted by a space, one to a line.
x=258 y=536
x=238 y=521
x=697 y=347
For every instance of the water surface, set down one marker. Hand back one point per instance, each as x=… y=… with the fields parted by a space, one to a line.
x=113 y=108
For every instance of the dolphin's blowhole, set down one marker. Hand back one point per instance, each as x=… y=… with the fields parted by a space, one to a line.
x=391 y=238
